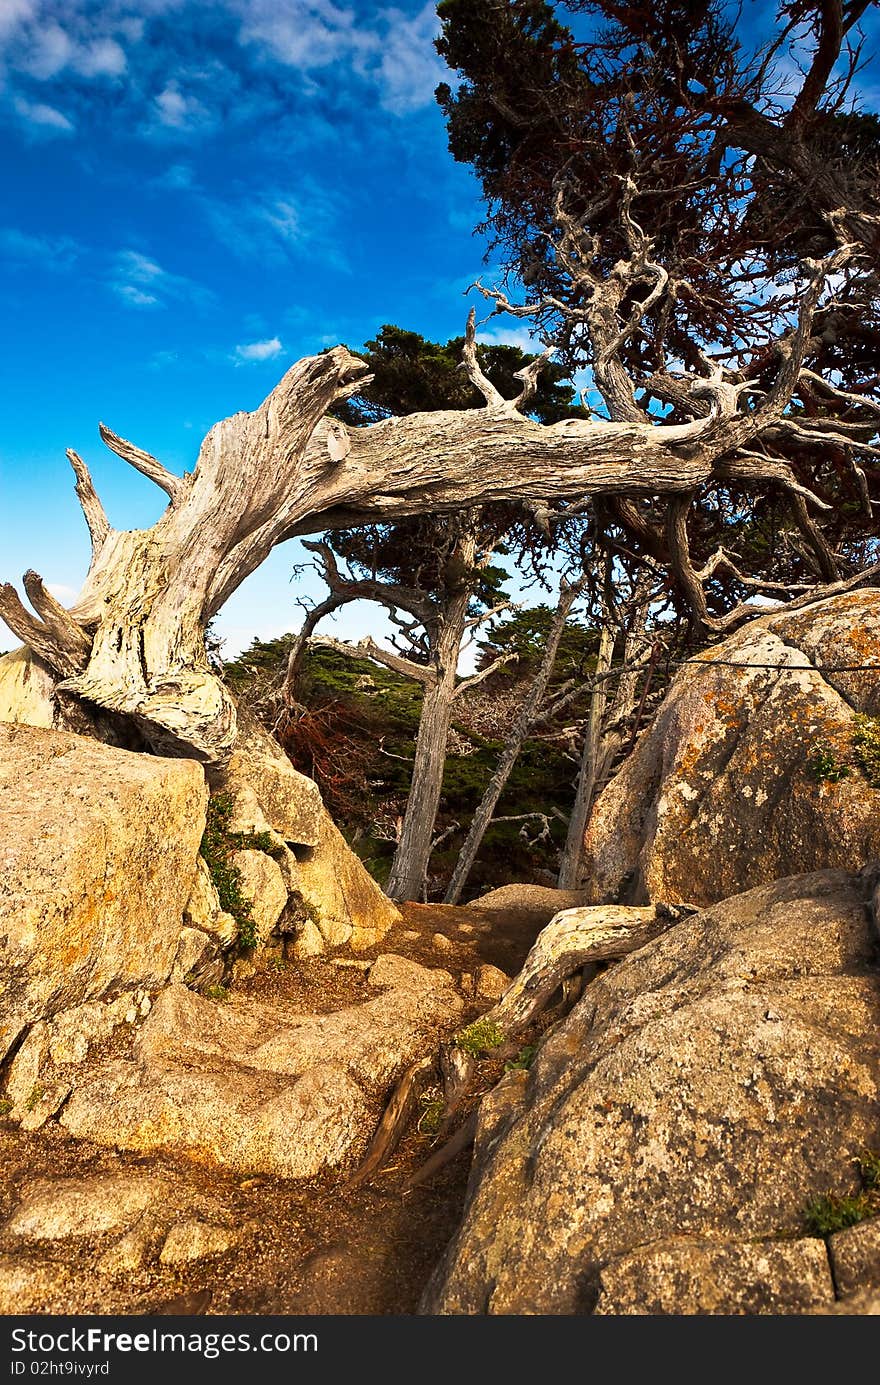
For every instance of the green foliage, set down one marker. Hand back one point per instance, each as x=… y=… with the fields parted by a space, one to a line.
x=832 y=1212
x=825 y=766
x=217 y=848
x=525 y=634
x=217 y=993
x=829 y=1213
x=37 y=1094
x=337 y=741
x=523 y=1059
x=483 y=1036
x=433 y=1110
x=414 y=375
x=262 y=657
x=5 y=1106
x=866 y=748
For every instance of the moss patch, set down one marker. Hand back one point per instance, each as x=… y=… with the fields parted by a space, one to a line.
x=483 y=1036
x=835 y=1212
x=218 y=846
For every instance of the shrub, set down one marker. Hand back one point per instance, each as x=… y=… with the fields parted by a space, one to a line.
x=483 y=1036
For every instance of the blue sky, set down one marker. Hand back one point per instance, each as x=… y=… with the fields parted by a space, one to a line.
x=194 y=195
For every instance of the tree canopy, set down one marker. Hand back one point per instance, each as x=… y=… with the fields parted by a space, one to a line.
x=691 y=221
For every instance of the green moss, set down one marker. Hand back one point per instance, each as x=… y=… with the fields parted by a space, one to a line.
x=825 y=766
x=36 y=1096
x=433 y=1110
x=835 y=1212
x=829 y=1213
x=866 y=748
x=217 y=848
x=483 y=1036
x=255 y=841
x=217 y=993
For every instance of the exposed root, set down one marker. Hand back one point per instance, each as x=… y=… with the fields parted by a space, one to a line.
x=464 y=1136
x=395 y=1119
x=573 y=942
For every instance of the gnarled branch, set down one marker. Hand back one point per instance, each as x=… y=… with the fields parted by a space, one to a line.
x=145 y=463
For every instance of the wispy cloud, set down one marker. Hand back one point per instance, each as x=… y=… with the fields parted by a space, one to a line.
x=511 y=336
x=50 y=49
x=258 y=351
x=142 y=283
x=409 y=68
x=305 y=34
x=278 y=226
x=178 y=110
x=45 y=117
x=50 y=252
x=390 y=50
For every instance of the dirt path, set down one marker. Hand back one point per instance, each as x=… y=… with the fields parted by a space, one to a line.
x=307 y=1247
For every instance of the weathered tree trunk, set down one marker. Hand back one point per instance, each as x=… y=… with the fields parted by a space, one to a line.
x=409 y=868
x=133 y=643
x=512 y=746
x=571 y=869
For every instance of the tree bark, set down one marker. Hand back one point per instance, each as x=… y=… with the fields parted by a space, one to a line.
x=571 y=869
x=409 y=868
x=524 y=720
x=133 y=643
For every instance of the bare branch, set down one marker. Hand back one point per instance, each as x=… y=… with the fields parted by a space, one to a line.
x=68 y=632
x=95 y=516
x=42 y=639
x=367 y=649
x=173 y=486
x=529 y=375
x=473 y=369
x=467 y=684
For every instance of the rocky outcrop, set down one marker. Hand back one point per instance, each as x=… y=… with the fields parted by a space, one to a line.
x=259 y=1087
x=124 y=1222
x=267 y=791
x=26 y=690
x=329 y=889
x=541 y=900
x=661 y=1151
x=748 y=773
x=98 y=850
x=338 y=893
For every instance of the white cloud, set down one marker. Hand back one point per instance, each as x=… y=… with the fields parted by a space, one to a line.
x=304 y=34
x=410 y=67
x=102 y=58
x=51 y=252
x=395 y=55
x=49 y=52
x=14 y=13
x=45 y=48
x=178 y=111
x=138 y=298
x=66 y=595
x=142 y=283
x=259 y=350
x=46 y=117
x=511 y=336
